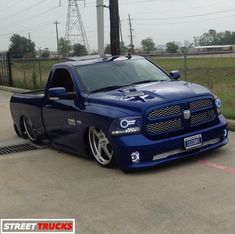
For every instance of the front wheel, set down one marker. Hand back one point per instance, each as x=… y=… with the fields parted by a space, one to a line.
x=101 y=148
x=30 y=131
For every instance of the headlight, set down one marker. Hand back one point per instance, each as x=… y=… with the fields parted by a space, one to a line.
x=128 y=125
x=218 y=104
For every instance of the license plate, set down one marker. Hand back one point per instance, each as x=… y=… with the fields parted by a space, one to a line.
x=193 y=141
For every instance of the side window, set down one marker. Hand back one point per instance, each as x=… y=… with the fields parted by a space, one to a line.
x=62 y=78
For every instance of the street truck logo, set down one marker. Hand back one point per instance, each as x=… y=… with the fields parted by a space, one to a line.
x=43 y=226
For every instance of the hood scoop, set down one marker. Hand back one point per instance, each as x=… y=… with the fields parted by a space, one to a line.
x=134 y=95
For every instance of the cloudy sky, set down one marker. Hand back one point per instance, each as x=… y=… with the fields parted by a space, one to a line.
x=162 y=20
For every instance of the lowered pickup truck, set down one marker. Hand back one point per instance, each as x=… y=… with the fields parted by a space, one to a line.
x=123 y=111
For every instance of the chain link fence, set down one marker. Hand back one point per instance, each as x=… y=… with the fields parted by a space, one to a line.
x=216 y=71
x=5 y=69
x=32 y=73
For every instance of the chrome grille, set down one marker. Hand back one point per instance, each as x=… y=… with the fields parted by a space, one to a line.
x=165 y=126
x=169 y=119
x=201 y=104
x=165 y=111
x=203 y=117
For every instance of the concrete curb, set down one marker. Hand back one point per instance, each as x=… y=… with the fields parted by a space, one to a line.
x=13 y=89
x=231 y=123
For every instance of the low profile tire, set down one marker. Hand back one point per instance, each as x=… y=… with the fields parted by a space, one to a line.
x=16 y=131
x=101 y=148
x=30 y=131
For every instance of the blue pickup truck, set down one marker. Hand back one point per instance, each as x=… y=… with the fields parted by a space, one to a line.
x=123 y=111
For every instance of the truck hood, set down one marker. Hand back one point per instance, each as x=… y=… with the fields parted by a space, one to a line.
x=141 y=97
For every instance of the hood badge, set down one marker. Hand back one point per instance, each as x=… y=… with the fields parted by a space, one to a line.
x=131 y=96
x=187 y=114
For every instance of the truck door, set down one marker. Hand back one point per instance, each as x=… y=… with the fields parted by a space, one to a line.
x=60 y=114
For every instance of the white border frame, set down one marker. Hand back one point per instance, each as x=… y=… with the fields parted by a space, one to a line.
x=25 y=220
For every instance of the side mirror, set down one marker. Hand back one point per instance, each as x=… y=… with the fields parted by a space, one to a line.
x=56 y=93
x=175 y=75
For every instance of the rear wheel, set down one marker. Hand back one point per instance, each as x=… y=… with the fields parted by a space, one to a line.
x=101 y=148
x=30 y=131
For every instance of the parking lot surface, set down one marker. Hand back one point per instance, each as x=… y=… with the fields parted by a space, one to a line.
x=194 y=196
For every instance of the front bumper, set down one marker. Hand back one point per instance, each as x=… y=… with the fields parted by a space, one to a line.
x=158 y=152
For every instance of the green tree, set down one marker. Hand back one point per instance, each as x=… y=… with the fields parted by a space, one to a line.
x=227 y=38
x=64 y=47
x=171 y=47
x=196 y=41
x=79 y=50
x=107 y=49
x=21 y=47
x=123 y=48
x=213 y=38
x=148 y=45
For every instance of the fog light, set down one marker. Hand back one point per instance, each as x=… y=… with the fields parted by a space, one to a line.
x=225 y=133
x=135 y=157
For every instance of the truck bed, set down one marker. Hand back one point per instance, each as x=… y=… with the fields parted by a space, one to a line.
x=28 y=104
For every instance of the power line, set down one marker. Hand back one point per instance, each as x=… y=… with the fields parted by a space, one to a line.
x=12 y=3
x=25 y=9
x=33 y=28
x=185 y=22
x=215 y=3
x=143 y=1
x=188 y=16
x=126 y=2
x=29 y=18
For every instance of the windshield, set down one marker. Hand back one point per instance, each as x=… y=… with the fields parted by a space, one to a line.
x=112 y=75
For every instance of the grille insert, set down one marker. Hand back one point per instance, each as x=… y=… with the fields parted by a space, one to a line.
x=170 y=118
x=201 y=104
x=165 y=111
x=17 y=148
x=203 y=117
x=165 y=126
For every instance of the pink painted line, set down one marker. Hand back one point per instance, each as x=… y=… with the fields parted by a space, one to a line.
x=229 y=170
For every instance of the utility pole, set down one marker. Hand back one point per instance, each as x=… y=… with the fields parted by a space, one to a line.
x=114 y=27
x=131 y=35
x=29 y=35
x=57 y=36
x=186 y=50
x=120 y=29
x=100 y=26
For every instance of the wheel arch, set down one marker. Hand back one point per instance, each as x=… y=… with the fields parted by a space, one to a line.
x=21 y=126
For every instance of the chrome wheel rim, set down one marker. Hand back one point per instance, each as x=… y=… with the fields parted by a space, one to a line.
x=29 y=129
x=100 y=146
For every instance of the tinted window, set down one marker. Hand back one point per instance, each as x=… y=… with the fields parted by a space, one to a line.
x=119 y=73
x=62 y=78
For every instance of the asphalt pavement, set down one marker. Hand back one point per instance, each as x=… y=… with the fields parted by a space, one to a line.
x=194 y=196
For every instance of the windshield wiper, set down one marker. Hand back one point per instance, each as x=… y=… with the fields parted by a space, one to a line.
x=109 y=88
x=146 y=81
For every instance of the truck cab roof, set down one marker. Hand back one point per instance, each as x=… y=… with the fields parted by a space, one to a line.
x=93 y=59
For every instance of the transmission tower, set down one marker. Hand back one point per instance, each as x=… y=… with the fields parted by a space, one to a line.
x=75 y=31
